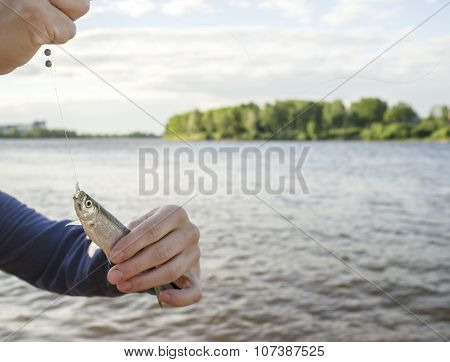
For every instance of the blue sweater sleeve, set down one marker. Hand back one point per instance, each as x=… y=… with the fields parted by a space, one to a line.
x=48 y=254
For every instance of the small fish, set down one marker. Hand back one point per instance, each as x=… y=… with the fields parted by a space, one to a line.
x=102 y=227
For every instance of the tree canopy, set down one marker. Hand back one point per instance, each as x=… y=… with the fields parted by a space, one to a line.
x=367 y=119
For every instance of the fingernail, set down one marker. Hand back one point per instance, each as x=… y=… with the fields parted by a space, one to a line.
x=115 y=276
x=125 y=286
x=117 y=257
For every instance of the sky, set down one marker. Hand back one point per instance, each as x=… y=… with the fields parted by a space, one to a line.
x=176 y=55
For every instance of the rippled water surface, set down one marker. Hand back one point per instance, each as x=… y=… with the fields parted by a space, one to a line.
x=384 y=208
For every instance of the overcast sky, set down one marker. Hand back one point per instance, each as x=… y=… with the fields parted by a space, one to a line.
x=175 y=55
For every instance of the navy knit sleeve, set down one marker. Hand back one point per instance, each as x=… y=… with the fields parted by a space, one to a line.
x=48 y=254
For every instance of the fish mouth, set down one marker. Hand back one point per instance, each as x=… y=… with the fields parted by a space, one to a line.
x=78 y=193
x=78 y=198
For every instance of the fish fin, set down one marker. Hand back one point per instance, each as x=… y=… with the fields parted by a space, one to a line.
x=74 y=223
x=100 y=241
x=92 y=249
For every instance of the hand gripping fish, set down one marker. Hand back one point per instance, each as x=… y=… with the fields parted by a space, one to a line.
x=102 y=227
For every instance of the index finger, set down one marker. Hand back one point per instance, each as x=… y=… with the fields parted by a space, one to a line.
x=148 y=232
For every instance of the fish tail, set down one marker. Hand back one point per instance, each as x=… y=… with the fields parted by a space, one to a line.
x=157 y=292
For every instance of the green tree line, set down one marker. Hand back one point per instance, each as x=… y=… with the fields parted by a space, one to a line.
x=36 y=133
x=366 y=119
x=60 y=133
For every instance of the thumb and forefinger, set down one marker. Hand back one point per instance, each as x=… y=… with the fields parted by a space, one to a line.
x=52 y=21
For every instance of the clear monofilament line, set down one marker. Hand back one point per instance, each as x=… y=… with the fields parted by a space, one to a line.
x=61 y=116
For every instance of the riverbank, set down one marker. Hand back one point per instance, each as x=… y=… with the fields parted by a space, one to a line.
x=365 y=119
x=59 y=133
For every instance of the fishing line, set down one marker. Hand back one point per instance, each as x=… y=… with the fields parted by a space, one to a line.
x=442 y=56
x=49 y=64
x=314 y=86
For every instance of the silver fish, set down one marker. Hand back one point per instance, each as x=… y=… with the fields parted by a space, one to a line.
x=102 y=227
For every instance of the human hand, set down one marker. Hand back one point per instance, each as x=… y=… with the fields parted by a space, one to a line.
x=161 y=248
x=25 y=25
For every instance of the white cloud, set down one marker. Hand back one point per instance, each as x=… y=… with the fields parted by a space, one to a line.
x=138 y=8
x=133 y=8
x=299 y=9
x=240 y=3
x=172 y=70
x=181 y=7
x=347 y=11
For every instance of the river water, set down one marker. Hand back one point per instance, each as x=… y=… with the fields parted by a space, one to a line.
x=383 y=208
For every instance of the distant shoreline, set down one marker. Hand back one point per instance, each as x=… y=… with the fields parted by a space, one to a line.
x=61 y=134
x=176 y=140
x=368 y=119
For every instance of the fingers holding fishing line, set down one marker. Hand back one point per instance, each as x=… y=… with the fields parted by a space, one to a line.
x=156 y=254
x=59 y=27
x=48 y=23
x=151 y=230
x=60 y=24
x=32 y=23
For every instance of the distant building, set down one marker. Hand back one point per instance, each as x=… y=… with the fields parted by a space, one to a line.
x=39 y=124
x=23 y=127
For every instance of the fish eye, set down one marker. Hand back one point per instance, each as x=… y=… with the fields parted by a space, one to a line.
x=88 y=203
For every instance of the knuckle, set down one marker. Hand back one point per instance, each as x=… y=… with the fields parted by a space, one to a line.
x=182 y=214
x=129 y=270
x=127 y=251
x=153 y=232
x=71 y=31
x=63 y=34
x=126 y=290
x=179 y=212
x=173 y=273
x=195 y=233
x=162 y=253
x=197 y=254
x=139 y=283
